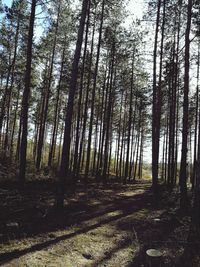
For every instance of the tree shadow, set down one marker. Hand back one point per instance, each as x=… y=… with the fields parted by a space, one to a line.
x=36 y=220
x=139 y=243
x=150 y=234
x=81 y=211
x=125 y=204
x=108 y=254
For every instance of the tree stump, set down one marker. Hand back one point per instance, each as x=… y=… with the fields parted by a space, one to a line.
x=153 y=258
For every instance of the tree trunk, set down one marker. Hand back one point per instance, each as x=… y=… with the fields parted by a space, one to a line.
x=93 y=95
x=108 y=116
x=25 y=99
x=130 y=121
x=55 y=123
x=64 y=166
x=155 y=130
x=77 y=139
x=183 y=168
x=85 y=115
x=47 y=96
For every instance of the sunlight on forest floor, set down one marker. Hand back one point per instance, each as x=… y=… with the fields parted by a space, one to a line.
x=104 y=227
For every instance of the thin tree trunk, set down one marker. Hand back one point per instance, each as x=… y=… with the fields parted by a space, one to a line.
x=45 y=111
x=130 y=121
x=183 y=168
x=85 y=116
x=196 y=121
x=55 y=123
x=93 y=95
x=14 y=121
x=9 y=106
x=155 y=130
x=108 y=117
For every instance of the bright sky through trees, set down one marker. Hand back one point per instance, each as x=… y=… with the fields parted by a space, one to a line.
x=135 y=10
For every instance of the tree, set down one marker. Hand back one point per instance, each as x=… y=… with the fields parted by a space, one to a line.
x=183 y=168
x=93 y=94
x=44 y=111
x=26 y=94
x=64 y=166
x=155 y=108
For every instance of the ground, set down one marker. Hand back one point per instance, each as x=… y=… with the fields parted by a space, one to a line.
x=110 y=225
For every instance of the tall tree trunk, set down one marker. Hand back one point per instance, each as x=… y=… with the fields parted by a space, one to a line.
x=196 y=203
x=64 y=166
x=47 y=96
x=177 y=85
x=55 y=123
x=132 y=143
x=130 y=121
x=14 y=121
x=141 y=154
x=81 y=92
x=25 y=99
x=85 y=115
x=183 y=168
x=108 y=116
x=196 y=121
x=104 y=111
x=155 y=130
x=9 y=106
x=101 y=134
x=4 y=98
x=93 y=95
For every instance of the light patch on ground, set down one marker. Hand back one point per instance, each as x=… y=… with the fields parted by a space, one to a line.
x=103 y=246
x=131 y=193
x=105 y=236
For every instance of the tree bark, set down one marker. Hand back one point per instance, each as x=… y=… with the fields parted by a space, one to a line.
x=26 y=94
x=183 y=168
x=93 y=95
x=155 y=130
x=64 y=166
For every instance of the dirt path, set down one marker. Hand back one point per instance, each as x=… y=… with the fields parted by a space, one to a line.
x=110 y=226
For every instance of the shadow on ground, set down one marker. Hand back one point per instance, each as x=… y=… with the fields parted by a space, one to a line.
x=121 y=205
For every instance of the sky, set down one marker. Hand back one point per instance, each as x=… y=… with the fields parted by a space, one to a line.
x=135 y=10
x=135 y=6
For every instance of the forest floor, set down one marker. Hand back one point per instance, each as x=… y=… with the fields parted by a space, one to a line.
x=110 y=225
